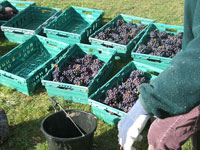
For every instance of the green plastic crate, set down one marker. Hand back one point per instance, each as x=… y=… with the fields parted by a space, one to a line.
x=161 y=62
x=77 y=93
x=109 y=114
x=23 y=67
x=29 y=22
x=123 y=51
x=75 y=25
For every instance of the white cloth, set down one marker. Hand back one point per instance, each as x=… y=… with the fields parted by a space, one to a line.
x=131 y=126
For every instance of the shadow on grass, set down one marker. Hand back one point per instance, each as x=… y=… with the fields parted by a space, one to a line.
x=106 y=20
x=40 y=89
x=6 y=46
x=109 y=140
x=24 y=136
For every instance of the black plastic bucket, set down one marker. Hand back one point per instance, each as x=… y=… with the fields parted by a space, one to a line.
x=61 y=133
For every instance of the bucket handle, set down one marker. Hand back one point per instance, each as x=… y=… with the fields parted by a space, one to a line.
x=54 y=104
x=67 y=115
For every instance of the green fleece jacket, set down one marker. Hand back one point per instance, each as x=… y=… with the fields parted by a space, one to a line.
x=177 y=89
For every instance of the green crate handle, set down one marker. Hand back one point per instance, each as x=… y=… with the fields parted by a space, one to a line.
x=18 y=32
x=171 y=30
x=62 y=35
x=9 y=77
x=20 y=5
x=112 y=113
x=110 y=46
x=66 y=88
x=136 y=21
x=87 y=12
x=154 y=60
x=107 y=108
x=46 y=11
x=51 y=44
x=155 y=73
x=106 y=43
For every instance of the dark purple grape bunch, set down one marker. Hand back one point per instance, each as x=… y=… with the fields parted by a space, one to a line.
x=121 y=33
x=161 y=43
x=78 y=71
x=124 y=96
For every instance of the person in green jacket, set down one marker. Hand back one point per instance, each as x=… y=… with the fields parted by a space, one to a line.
x=6 y=12
x=173 y=97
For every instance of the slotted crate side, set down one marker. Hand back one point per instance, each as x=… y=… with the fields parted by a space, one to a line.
x=85 y=22
x=124 y=51
x=77 y=93
x=53 y=46
x=10 y=61
x=101 y=112
x=29 y=22
x=156 y=63
x=71 y=93
x=88 y=13
x=13 y=72
x=109 y=114
x=161 y=62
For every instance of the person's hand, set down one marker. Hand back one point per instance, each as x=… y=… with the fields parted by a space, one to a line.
x=131 y=126
x=9 y=11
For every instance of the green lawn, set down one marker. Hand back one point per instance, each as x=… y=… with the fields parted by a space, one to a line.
x=25 y=113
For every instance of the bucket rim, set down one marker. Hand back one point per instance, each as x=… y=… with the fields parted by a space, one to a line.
x=67 y=139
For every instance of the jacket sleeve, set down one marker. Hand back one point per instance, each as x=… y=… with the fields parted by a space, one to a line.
x=177 y=89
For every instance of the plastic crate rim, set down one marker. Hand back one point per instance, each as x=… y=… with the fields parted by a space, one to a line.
x=125 y=15
x=10 y=75
x=106 y=107
x=105 y=50
x=97 y=10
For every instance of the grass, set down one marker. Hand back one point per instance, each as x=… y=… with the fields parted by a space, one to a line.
x=25 y=113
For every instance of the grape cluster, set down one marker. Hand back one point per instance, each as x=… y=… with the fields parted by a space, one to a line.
x=121 y=32
x=161 y=43
x=124 y=96
x=78 y=71
x=6 y=17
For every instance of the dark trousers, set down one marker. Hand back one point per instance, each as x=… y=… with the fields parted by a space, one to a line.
x=196 y=141
x=173 y=132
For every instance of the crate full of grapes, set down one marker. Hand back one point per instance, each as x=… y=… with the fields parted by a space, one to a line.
x=81 y=71
x=29 y=22
x=121 y=33
x=159 y=45
x=75 y=25
x=116 y=97
x=23 y=67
